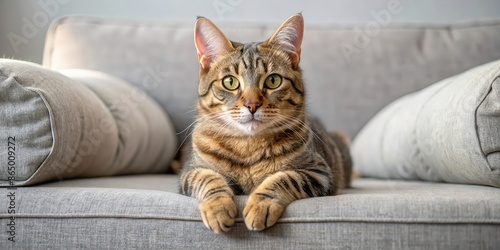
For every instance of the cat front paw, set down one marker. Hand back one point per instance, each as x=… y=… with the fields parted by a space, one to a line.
x=218 y=213
x=261 y=212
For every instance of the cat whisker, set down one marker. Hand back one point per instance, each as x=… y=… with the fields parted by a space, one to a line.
x=214 y=115
x=304 y=126
x=191 y=125
x=187 y=128
x=288 y=123
x=183 y=141
x=200 y=120
x=312 y=132
x=190 y=111
x=224 y=126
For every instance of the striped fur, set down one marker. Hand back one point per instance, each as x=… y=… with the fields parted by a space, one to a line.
x=254 y=139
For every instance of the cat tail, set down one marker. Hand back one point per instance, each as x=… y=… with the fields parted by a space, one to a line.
x=175 y=166
x=341 y=137
x=343 y=143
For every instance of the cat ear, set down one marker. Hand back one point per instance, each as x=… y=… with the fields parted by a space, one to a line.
x=288 y=37
x=210 y=42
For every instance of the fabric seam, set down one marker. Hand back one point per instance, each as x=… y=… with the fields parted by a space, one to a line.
x=490 y=89
x=282 y=220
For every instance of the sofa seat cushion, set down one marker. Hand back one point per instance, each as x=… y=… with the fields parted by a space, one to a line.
x=391 y=213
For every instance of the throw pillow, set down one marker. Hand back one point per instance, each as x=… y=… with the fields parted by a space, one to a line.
x=448 y=132
x=80 y=123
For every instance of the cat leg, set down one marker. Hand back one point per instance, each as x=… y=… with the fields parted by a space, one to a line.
x=215 y=198
x=267 y=203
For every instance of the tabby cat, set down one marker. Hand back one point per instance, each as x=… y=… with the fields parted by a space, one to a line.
x=252 y=135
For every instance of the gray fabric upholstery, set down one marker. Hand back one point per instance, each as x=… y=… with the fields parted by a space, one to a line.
x=381 y=214
x=160 y=182
x=91 y=125
x=446 y=132
x=348 y=77
x=146 y=135
x=119 y=233
x=144 y=212
x=33 y=141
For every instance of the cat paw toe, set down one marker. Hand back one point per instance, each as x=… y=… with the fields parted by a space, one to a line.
x=218 y=214
x=261 y=213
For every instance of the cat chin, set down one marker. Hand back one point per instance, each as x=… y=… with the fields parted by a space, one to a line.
x=250 y=128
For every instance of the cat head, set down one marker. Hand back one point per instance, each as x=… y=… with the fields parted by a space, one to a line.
x=253 y=88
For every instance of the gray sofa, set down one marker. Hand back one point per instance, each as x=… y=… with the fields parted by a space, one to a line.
x=349 y=79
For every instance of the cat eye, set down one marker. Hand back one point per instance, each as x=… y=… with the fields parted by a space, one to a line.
x=273 y=81
x=230 y=82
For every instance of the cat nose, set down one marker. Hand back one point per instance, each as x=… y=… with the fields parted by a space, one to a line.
x=253 y=106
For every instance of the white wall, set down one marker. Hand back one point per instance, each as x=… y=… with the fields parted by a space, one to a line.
x=26 y=21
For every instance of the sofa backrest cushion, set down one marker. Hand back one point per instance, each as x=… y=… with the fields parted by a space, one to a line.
x=350 y=72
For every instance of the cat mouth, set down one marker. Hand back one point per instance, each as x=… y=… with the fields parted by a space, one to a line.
x=251 y=120
x=251 y=125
